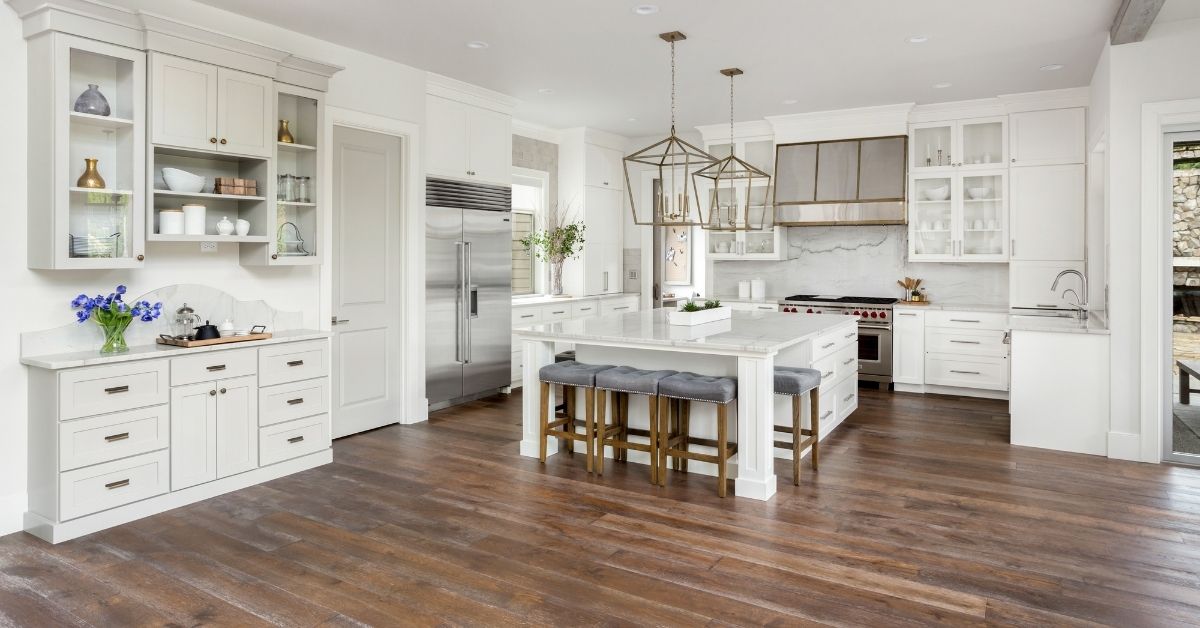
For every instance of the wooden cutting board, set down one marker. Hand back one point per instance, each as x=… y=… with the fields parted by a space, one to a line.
x=183 y=342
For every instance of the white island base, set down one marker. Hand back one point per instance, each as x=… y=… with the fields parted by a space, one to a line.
x=748 y=347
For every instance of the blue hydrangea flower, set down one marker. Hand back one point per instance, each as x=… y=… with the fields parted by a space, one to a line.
x=121 y=289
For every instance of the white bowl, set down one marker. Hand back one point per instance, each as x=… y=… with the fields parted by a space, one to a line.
x=938 y=194
x=182 y=181
x=977 y=193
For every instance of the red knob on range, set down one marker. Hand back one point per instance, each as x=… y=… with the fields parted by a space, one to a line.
x=810 y=310
x=856 y=312
x=883 y=315
x=874 y=315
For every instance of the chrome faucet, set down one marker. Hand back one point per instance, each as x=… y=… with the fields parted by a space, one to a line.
x=1081 y=303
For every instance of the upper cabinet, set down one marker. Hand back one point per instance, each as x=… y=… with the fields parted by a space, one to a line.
x=605 y=167
x=768 y=244
x=204 y=107
x=1048 y=138
x=1048 y=213
x=467 y=142
x=590 y=191
x=975 y=143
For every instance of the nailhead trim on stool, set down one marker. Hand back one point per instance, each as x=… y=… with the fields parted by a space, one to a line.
x=685 y=388
x=571 y=375
x=796 y=382
x=620 y=382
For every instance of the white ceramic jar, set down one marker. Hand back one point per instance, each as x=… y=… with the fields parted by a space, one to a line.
x=225 y=226
x=170 y=222
x=194 y=219
x=242 y=227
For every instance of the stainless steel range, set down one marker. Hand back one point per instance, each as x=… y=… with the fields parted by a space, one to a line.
x=874 y=328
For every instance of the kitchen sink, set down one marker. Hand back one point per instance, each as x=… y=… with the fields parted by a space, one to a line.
x=1046 y=313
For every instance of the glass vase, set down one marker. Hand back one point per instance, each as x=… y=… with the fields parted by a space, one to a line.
x=556 y=279
x=91 y=101
x=114 y=335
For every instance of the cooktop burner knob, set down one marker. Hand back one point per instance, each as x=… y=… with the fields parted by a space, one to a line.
x=883 y=315
x=810 y=310
x=874 y=314
x=856 y=312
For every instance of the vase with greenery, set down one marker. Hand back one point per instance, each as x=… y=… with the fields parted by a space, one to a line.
x=556 y=244
x=114 y=315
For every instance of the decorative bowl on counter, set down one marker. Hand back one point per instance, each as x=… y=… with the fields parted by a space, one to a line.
x=978 y=193
x=182 y=181
x=939 y=193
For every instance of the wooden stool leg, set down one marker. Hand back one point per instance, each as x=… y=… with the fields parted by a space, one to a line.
x=655 y=404
x=722 y=447
x=676 y=421
x=545 y=421
x=569 y=426
x=601 y=423
x=589 y=426
x=815 y=400
x=660 y=460
x=685 y=430
x=623 y=402
x=797 y=438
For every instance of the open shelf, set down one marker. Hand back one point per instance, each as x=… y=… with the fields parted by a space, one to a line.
x=80 y=190
x=296 y=204
x=237 y=239
x=295 y=148
x=103 y=122
x=207 y=195
x=212 y=155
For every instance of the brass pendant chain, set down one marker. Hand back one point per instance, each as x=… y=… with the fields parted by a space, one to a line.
x=672 y=87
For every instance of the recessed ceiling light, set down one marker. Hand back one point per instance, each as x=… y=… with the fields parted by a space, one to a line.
x=631 y=119
x=918 y=39
x=545 y=90
x=790 y=101
x=477 y=45
x=1051 y=67
x=646 y=9
x=941 y=85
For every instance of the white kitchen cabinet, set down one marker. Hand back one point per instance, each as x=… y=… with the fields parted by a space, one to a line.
x=908 y=346
x=604 y=167
x=1059 y=385
x=1029 y=284
x=467 y=142
x=1051 y=137
x=237 y=425
x=597 y=270
x=193 y=435
x=968 y=144
x=959 y=216
x=768 y=244
x=204 y=107
x=1048 y=213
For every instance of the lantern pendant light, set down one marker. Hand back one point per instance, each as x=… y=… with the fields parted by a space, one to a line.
x=731 y=184
x=674 y=205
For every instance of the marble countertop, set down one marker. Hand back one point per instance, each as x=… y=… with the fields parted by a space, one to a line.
x=542 y=299
x=1095 y=323
x=147 y=352
x=725 y=298
x=995 y=308
x=746 y=332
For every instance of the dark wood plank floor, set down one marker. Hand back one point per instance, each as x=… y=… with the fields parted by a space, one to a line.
x=921 y=514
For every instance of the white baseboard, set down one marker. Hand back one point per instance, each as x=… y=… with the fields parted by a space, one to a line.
x=928 y=389
x=12 y=510
x=1125 y=446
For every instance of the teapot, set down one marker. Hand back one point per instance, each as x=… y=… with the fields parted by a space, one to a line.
x=207 y=331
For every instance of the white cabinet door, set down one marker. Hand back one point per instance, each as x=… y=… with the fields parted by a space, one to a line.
x=183 y=102
x=1029 y=284
x=237 y=425
x=245 y=113
x=603 y=167
x=1047 y=204
x=1043 y=138
x=193 y=435
x=602 y=240
x=490 y=152
x=908 y=347
x=447 y=138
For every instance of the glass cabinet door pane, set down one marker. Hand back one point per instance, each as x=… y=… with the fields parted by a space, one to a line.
x=983 y=215
x=101 y=225
x=931 y=147
x=983 y=143
x=722 y=242
x=932 y=219
x=720 y=151
x=760 y=242
x=761 y=155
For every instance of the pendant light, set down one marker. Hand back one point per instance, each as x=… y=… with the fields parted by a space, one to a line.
x=731 y=184
x=674 y=205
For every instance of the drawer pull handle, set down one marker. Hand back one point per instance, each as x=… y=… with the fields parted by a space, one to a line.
x=848 y=398
x=296 y=363
x=828 y=345
x=116 y=389
x=966 y=372
x=292 y=402
x=117 y=484
x=851 y=335
x=965 y=342
x=1050 y=305
x=527 y=316
x=827 y=413
x=964 y=320
x=829 y=374
x=559 y=312
x=295 y=439
x=906 y=314
x=116 y=437
x=623 y=307
x=216 y=367
x=585 y=309
x=847 y=362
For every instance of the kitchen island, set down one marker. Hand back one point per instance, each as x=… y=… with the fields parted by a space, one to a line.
x=747 y=346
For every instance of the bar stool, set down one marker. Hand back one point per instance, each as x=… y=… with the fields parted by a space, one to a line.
x=570 y=375
x=796 y=382
x=617 y=384
x=686 y=388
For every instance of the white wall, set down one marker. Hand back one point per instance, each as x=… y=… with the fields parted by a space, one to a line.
x=39 y=299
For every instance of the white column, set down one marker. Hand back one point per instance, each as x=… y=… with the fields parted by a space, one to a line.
x=756 y=433
x=536 y=354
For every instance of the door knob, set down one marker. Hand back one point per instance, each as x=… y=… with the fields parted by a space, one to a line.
x=223 y=141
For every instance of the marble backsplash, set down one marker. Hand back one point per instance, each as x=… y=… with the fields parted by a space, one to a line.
x=863 y=261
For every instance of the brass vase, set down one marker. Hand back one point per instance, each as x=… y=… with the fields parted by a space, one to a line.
x=91 y=177
x=285 y=135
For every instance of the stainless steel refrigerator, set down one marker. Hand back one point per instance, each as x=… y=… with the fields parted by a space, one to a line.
x=468 y=290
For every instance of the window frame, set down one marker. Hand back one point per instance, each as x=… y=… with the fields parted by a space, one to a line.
x=541 y=180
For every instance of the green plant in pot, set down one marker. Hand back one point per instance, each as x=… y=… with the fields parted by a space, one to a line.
x=556 y=244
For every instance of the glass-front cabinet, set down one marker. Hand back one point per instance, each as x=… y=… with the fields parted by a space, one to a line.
x=86 y=154
x=959 y=217
x=972 y=144
x=758 y=244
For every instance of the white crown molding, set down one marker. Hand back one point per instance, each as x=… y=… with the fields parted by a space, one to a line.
x=748 y=131
x=841 y=123
x=1047 y=99
x=576 y=137
x=535 y=131
x=454 y=89
x=957 y=110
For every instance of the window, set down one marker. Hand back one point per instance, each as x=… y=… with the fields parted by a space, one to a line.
x=527 y=200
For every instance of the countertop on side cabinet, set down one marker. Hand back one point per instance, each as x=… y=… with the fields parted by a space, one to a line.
x=957 y=307
x=147 y=352
x=1095 y=323
x=735 y=299
x=542 y=299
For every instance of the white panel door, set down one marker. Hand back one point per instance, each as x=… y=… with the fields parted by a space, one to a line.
x=193 y=435
x=367 y=196
x=237 y=425
x=1044 y=138
x=447 y=138
x=245 y=113
x=491 y=146
x=1047 y=206
x=908 y=347
x=604 y=167
x=183 y=102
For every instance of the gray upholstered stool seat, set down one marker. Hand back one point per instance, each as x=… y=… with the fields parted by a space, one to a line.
x=631 y=380
x=695 y=387
x=617 y=384
x=571 y=373
x=795 y=381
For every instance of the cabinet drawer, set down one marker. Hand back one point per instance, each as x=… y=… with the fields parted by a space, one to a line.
x=112 y=436
x=618 y=306
x=846 y=363
x=846 y=394
x=214 y=365
x=983 y=372
x=585 y=309
x=558 y=312
x=292 y=362
x=966 y=341
x=833 y=340
x=828 y=368
x=966 y=320
x=526 y=315
x=286 y=402
x=295 y=438
x=101 y=389
x=111 y=484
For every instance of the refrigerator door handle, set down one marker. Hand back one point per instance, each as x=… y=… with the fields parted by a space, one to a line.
x=458 y=303
x=472 y=306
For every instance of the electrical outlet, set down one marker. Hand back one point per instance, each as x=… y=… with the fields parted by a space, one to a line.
x=208 y=247
x=633 y=274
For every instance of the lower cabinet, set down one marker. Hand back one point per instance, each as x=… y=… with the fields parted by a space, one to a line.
x=563 y=310
x=966 y=351
x=214 y=430
x=908 y=347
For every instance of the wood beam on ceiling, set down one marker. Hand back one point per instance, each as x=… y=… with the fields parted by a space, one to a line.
x=1133 y=20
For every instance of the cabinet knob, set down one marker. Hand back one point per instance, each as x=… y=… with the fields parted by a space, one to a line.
x=606 y=183
x=1014 y=160
x=212 y=140
x=212 y=393
x=141 y=258
x=223 y=391
x=223 y=141
x=274 y=256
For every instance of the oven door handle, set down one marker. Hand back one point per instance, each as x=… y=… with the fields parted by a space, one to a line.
x=883 y=327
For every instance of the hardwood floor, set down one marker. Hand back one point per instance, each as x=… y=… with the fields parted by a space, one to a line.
x=921 y=514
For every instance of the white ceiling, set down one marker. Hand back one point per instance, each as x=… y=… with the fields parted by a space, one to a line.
x=606 y=64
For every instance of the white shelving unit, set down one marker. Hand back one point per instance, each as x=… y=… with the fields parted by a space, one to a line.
x=757 y=245
x=210 y=165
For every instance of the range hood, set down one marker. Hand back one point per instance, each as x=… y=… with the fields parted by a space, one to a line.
x=859 y=181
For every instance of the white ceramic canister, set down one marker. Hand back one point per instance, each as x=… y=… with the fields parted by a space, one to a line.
x=743 y=289
x=243 y=227
x=170 y=222
x=225 y=226
x=758 y=289
x=193 y=219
